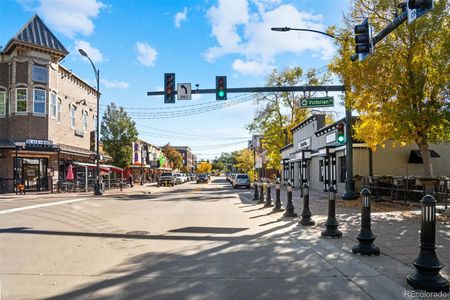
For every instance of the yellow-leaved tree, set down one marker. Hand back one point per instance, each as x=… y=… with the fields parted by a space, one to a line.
x=401 y=91
x=244 y=162
x=204 y=167
x=279 y=112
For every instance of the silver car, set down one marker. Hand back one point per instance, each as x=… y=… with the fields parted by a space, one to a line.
x=241 y=180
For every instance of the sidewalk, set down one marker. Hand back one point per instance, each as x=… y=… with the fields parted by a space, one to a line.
x=396 y=226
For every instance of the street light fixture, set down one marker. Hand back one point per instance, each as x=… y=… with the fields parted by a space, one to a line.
x=349 y=193
x=97 y=190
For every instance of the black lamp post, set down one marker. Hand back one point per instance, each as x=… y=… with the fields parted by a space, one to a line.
x=97 y=190
x=349 y=193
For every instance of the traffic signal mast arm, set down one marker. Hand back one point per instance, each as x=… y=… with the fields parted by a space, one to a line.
x=301 y=88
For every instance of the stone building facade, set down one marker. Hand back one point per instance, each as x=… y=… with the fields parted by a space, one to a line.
x=47 y=113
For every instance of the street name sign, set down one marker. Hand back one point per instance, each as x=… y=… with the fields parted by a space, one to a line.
x=184 y=91
x=317 y=102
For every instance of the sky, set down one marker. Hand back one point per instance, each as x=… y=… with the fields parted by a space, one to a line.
x=134 y=42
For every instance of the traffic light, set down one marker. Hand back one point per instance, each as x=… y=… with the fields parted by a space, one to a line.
x=169 y=87
x=417 y=8
x=363 y=38
x=221 y=87
x=341 y=133
x=420 y=4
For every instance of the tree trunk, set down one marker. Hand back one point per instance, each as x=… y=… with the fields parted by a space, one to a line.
x=426 y=158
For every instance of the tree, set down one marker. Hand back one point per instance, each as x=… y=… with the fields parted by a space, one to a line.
x=204 y=167
x=279 y=112
x=173 y=156
x=245 y=162
x=185 y=169
x=118 y=131
x=402 y=90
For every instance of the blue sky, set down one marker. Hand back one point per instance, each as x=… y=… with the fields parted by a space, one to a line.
x=135 y=42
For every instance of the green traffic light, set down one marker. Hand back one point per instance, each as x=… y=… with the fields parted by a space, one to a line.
x=340 y=138
x=221 y=93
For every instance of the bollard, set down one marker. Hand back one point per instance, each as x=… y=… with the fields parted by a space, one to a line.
x=289 y=213
x=121 y=185
x=277 y=207
x=331 y=224
x=255 y=194
x=261 y=192
x=268 y=194
x=306 y=214
x=426 y=276
x=365 y=237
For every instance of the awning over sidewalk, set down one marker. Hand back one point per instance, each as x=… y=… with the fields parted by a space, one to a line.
x=92 y=166
x=416 y=158
x=113 y=168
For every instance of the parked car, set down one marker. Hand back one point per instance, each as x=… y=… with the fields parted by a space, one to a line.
x=241 y=180
x=178 y=178
x=167 y=178
x=202 y=178
x=232 y=178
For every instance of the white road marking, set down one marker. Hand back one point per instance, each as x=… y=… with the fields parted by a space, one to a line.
x=12 y=210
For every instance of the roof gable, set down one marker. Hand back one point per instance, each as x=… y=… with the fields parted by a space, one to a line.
x=37 y=33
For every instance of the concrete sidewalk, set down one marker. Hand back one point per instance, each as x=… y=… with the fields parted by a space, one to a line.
x=396 y=226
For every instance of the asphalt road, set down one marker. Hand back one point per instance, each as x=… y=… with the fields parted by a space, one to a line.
x=194 y=241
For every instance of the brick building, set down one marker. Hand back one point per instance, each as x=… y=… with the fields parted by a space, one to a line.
x=188 y=157
x=47 y=113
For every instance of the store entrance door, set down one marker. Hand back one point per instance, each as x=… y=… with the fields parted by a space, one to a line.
x=34 y=174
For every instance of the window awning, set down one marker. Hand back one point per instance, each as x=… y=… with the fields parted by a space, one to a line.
x=91 y=166
x=113 y=168
x=416 y=158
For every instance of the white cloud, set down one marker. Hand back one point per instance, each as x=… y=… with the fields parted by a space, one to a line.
x=92 y=52
x=251 y=67
x=146 y=54
x=180 y=17
x=241 y=31
x=114 y=84
x=69 y=17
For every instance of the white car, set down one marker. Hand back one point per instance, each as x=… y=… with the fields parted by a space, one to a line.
x=181 y=177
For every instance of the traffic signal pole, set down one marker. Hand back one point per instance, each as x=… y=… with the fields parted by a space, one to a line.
x=266 y=89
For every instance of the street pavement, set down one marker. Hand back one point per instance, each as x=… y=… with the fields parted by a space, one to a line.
x=197 y=241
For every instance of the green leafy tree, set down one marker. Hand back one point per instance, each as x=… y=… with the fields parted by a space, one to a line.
x=173 y=156
x=118 y=131
x=402 y=90
x=279 y=112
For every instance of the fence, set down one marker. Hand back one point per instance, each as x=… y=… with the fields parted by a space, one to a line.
x=406 y=188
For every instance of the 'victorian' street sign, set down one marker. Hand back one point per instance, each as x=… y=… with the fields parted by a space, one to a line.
x=317 y=102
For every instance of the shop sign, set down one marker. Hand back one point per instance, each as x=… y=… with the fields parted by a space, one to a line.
x=39 y=74
x=330 y=138
x=79 y=133
x=304 y=144
x=38 y=143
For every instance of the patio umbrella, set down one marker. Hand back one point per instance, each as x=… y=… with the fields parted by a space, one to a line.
x=69 y=175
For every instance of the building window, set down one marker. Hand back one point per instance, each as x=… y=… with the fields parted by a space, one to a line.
x=95 y=123
x=321 y=170
x=342 y=172
x=39 y=101
x=53 y=105
x=21 y=100
x=72 y=117
x=58 y=111
x=9 y=102
x=2 y=103
x=85 y=120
